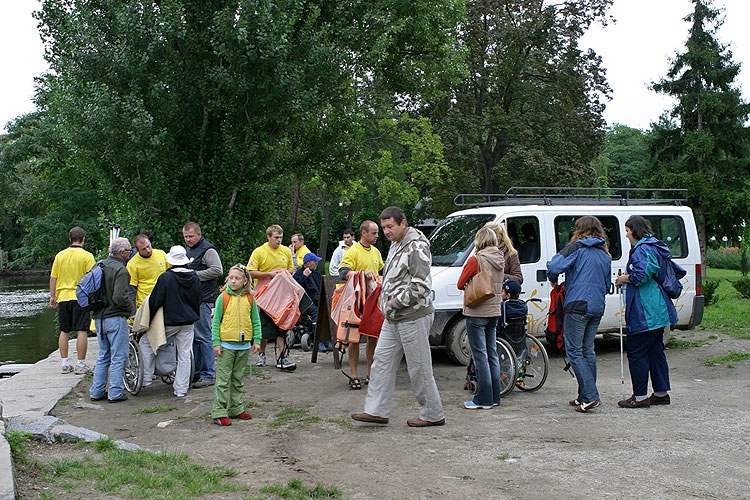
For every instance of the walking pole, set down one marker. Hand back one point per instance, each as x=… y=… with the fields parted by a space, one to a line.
x=622 y=363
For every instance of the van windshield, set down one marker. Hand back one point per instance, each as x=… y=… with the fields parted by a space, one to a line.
x=451 y=242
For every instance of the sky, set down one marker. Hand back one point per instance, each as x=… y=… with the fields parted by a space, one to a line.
x=635 y=50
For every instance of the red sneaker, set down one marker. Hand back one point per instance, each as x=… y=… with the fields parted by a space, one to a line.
x=222 y=421
x=243 y=416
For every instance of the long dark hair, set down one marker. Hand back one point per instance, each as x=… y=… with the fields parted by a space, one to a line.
x=639 y=227
x=587 y=226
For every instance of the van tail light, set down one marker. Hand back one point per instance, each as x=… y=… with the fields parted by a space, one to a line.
x=698 y=280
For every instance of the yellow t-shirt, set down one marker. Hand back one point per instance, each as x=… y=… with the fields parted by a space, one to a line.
x=266 y=259
x=68 y=267
x=145 y=271
x=300 y=255
x=359 y=258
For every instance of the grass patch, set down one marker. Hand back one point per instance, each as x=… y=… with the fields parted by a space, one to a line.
x=267 y=400
x=153 y=409
x=18 y=442
x=251 y=404
x=88 y=376
x=292 y=417
x=343 y=422
x=255 y=371
x=732 y=356
x=730 y=314
x=675 y=343
x=140 y=474
x=295 y=490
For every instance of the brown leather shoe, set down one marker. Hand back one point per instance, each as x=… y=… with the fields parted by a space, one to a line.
x=370 y=419
x=632 y=403
x=659 y=400
x=574 y=402
x=418 y=422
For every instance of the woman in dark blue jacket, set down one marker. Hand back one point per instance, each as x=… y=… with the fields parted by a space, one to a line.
x=648 y=310
x=587 y=265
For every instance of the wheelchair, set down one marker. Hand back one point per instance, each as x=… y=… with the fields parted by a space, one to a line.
x=303 y=333
x=166 y=355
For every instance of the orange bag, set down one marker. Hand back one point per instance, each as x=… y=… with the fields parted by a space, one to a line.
x=372 y=316
x=348 y=309
x=279 y=299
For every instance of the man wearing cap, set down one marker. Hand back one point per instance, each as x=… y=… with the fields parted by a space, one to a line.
x=207 y=264
x=178 y=291
x=310 y=279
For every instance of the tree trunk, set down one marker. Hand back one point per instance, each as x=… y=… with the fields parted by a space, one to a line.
x=295 y=207
x=350 y=216
x=700 y=222
x=325 y=221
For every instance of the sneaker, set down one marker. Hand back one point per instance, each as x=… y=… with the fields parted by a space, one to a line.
x=261 y=359
x=179 y=394
x=471 y=405
x=243 y=416
x=322 y=347
x=100 y=398
x=632 y=403
x=82 y=369
x=67 y=369
x=584 y=407
x=574 y=402
x=328 y=344
x=124 y=397
x=146 y=384
x=204 y=382
x=659 y=400
x=223 y=421
x=286 y=363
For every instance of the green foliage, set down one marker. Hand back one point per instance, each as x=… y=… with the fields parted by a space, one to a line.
x=730 y=314
x=723 y=258
x=18 y=442
x=742 y=285
x=675 y=343
x=295 y=490
x=153 y=409
x=732 y=356
x=703 y=143
x=709 y=291
x=624 y=157
x=291 y=418
x=745 y=251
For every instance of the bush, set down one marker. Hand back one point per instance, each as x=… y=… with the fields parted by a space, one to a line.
x=723 y=258
x=742 y=285
x=709 y=290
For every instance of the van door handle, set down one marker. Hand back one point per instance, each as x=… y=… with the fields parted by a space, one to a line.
x=541 y=275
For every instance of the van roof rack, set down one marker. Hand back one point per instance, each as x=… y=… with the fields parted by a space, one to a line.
x=574 y=196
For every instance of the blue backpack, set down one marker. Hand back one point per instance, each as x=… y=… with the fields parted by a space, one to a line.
x=90 y=291
x=670 y=274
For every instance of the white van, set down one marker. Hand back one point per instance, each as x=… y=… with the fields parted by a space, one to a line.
x=540 y=222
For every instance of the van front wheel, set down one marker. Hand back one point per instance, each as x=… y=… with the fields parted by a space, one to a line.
x=457 y=343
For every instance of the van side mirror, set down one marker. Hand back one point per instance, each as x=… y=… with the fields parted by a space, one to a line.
x=541 y=275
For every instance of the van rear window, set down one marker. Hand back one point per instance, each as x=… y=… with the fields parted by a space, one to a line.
x=671 y=230
x=452 y=241
x=565 y=224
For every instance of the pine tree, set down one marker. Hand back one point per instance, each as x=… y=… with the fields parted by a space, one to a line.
x=702 y=144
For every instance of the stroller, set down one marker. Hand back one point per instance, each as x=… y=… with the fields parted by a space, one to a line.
x=165 y=363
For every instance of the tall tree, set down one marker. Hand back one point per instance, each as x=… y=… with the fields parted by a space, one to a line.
x=530 y=109
x=702 y=144
x=624 y=157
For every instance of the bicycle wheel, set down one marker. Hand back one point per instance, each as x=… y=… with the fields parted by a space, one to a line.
x=132 y=376
x=534 y=364
x=507 y=366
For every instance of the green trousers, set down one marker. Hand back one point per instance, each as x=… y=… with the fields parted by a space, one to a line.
x=228 y=390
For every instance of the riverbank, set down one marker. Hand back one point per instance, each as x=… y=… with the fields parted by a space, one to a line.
x=11 y=273
x=533 y=446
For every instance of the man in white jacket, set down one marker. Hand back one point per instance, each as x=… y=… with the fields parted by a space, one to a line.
x=338 y=254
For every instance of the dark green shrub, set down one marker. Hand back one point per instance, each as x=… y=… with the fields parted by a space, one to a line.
x=742 y=285
x=723 y=258
x=709 y=290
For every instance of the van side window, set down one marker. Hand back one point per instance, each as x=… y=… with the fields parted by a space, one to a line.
x=452 y=241
x=565 y=224
x=524 y=233
x=671 y=230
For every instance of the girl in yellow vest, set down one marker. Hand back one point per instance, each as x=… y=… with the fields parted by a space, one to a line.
x=235 y=331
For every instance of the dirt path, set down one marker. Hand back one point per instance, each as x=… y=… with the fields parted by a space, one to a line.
x=695 y=448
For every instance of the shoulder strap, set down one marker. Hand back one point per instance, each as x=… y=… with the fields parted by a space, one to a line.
x=225 y=298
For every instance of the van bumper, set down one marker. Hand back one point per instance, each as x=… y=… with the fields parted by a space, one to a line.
x=440 y=321
x=697 y=316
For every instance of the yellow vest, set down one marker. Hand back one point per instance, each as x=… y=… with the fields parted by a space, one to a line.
x=237 y=317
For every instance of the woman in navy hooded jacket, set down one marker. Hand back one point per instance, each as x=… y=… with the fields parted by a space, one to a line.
x=648 y=310
x=587 y=265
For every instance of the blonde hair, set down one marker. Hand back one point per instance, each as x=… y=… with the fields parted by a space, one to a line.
x=587 y=226
x=485 y=237
x=242 y=269
x=274 y=228
x=502 y=235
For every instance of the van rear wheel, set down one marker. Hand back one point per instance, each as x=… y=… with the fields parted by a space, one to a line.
x=457 y=343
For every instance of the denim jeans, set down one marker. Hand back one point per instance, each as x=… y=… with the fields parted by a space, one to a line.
x=203 y=346
x=112 y=334
x=579 y=333
x=646 y=356
x=482 y=333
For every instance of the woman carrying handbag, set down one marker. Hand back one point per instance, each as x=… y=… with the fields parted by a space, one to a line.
x=482 y=281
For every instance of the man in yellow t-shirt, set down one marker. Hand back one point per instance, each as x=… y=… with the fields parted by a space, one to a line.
x=362 y=256
x=265 y=262
x=144 y=268
x=68 y=267
x=299 y=250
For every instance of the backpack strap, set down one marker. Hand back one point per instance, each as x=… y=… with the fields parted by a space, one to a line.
x=225 y=298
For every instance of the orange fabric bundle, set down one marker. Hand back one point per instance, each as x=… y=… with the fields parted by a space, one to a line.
x=280 y=300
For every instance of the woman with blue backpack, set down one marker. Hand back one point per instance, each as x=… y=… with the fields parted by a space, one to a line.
x=648 y=309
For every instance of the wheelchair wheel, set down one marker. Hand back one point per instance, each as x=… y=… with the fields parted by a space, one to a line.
x=532 y=372
x=132 y=376
x=472 y=386
x=507 y=366
x=169 y=379
x=307 y=342
x=291 y=338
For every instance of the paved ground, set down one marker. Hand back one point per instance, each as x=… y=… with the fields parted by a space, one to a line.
x=695 y=448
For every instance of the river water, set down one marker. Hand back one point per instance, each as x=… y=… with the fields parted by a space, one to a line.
x=27 y=323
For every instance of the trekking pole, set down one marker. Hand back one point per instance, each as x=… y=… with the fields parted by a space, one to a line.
x=622 y=363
